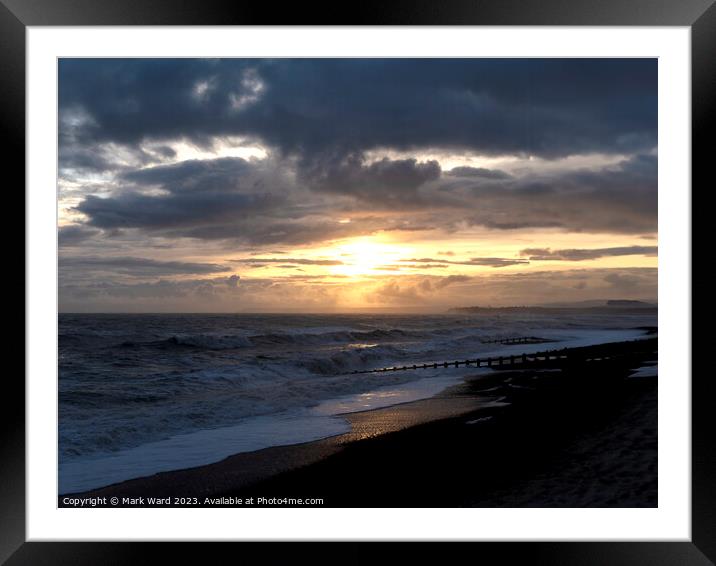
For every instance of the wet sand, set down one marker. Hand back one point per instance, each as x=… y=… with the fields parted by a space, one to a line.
x=582 y=435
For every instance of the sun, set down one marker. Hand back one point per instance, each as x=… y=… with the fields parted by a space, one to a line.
x=365 y=256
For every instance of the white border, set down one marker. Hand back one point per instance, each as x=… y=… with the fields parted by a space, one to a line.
x=670 y=521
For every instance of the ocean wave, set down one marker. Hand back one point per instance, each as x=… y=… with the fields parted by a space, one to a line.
x=351 y=359
x=236 y=341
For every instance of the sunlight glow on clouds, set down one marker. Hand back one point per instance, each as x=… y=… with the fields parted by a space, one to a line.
x=221 y=147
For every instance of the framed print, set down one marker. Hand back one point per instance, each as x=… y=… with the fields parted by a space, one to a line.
x=395 y=281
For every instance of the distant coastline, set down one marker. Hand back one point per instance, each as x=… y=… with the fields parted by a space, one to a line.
x=622 y=306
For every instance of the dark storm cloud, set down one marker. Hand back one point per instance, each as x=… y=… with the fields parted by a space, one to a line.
x=151 y=212
x=76 y=160
x=73 y=158
x=165 y=151
x=480 y=172
x=542 y=254
x=136 y=266
x=545 y=107
x=621 y=198
x=259 y=203
x=228 y=174
x=220 y=199
x=74 y=235
x=384 y=182
x=318 y=118
x=194 y=195
x=616 y=198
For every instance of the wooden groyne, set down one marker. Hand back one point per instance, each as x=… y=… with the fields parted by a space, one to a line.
x=491 y=362
x=596 y=353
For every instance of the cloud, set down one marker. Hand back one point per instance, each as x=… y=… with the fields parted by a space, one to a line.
x=265 y=230
x=481 y=261
x=385 y=182
x=479 y=172
x=514 y=288
x=620 y=198
x=394 y=291
x=217 y=294
x=451 y=280
x=225 y=198
x=416 y=266
x=256 y=202
x=546 y=107
x=410 y=290
x=546 y=254
x=545 y=286
x=227 y=174
x=74 y=235
x=157 y=292
x=624 y=283
x=261 y=202
x=318 y=119
x=179 y=211
x=288 y=260
x=136 y=266
x=317 y=293
x=495 y=261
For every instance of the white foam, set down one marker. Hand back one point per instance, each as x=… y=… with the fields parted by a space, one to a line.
x=647 y=370
x=480 y=420
x=198 y=448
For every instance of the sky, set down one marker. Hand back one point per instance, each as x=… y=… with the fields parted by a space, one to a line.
x=351 y=185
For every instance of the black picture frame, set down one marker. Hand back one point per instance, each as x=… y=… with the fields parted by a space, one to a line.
x=699 y=15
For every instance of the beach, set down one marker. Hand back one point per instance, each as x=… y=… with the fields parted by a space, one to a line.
x=560 y=434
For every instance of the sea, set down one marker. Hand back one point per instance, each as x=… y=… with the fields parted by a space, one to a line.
x=144 y=393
